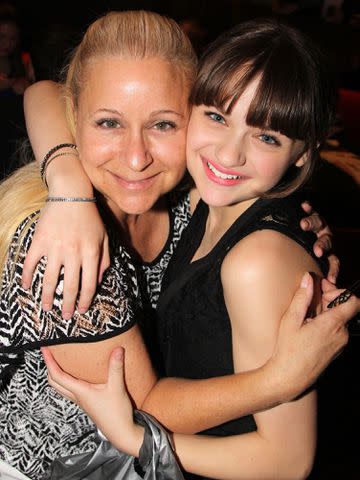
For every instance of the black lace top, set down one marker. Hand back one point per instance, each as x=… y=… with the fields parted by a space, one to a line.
x=194 y=330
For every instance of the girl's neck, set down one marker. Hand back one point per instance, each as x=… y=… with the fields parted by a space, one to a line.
x=219 y=220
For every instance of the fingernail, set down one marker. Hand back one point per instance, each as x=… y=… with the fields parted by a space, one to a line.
x=305 y=280
x=25 y=285
x=46 y=307
x=66 y=315
x=82 y=310
x=118 y=354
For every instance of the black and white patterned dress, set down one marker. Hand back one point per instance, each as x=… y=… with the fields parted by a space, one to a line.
x=36 y=424
x=153 y=272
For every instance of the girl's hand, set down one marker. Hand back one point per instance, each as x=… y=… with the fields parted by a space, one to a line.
x=323 y=244
x=71 y=236
x=108 y=404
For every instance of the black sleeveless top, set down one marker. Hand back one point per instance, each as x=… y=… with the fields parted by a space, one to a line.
x=194 y=329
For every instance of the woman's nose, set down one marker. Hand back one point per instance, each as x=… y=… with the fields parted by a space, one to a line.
x=138 y=154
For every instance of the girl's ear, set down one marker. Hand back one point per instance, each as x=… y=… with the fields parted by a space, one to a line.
x=300 y=162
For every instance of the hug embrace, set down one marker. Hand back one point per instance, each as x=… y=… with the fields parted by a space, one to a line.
x=211 y=296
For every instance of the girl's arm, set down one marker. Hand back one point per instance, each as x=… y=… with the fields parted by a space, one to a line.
x=210 y=402
x=312 y=222
x=70 y=235
x=109 y=406
x=259 y=278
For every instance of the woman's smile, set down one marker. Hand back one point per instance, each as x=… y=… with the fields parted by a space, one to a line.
x=132 y=184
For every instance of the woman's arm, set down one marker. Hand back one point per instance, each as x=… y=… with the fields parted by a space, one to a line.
x=89 y=361
x=210 y=402
x=109 y=407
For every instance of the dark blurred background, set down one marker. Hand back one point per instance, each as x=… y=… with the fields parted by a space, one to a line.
x=48 y=31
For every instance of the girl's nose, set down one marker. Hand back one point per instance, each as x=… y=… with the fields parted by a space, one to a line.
x=231 y=152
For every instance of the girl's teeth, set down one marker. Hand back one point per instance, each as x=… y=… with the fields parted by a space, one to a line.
x=221 y=175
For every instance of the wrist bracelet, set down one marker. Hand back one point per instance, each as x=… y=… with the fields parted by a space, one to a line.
x=61 y=154
x=50 y=153
x=71 y=199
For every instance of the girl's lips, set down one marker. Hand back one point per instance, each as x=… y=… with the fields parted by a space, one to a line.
x=228 y=182
x=222 y=169
x=142 y=184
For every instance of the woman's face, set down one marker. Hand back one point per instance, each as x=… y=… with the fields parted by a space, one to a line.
x=231 y=162
x=131 y=123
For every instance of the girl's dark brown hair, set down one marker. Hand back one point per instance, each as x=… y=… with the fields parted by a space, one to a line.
x=295 y=95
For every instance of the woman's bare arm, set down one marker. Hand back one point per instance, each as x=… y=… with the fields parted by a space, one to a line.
x=230 y=457
x=89 y=361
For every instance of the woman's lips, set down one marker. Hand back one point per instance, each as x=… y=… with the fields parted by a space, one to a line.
x=141 y=184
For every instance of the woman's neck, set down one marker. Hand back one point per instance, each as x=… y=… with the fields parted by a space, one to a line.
x=145 y=234
x=149 y=233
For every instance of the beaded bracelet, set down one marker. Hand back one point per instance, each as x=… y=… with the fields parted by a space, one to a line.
x=50 y=153
x=71 y=199
x=61 y=154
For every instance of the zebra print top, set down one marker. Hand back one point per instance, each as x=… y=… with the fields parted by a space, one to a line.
x=36 y=424
x=153 y=272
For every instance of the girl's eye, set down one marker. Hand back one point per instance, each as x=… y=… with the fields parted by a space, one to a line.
x=108 y=123
x=216 y=117
x=165 y=125
x=269 y=139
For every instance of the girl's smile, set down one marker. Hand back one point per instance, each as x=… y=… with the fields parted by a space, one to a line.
x=221 y=175
x=232 y=161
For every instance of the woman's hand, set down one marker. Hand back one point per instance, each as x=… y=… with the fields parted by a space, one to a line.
x=72 y=236
x=108 y=404
x=306 y=346
x=323 y=244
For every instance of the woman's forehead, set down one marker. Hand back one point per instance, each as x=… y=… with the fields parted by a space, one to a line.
x=125 y=84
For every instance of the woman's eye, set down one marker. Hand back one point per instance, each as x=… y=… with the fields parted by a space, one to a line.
x=269 y=139
x=164 y=126
x=108 y=123
x=216 y=117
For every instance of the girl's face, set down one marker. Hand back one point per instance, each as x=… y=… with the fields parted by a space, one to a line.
x=131 y=124
x=232 y=162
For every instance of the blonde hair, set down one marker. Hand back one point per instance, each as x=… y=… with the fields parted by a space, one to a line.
x=21 y=194
x=130 y=34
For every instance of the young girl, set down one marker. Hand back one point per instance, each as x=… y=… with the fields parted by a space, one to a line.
x=262 y=105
